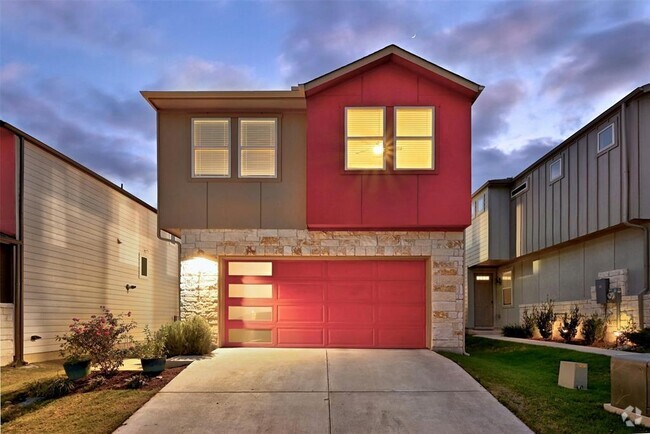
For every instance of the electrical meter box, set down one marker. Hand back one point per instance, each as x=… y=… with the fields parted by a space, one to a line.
x=602 y=288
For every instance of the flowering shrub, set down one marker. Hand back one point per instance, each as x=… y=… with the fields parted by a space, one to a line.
x=101 y=339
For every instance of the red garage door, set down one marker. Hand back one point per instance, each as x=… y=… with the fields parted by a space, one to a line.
x=334 y=303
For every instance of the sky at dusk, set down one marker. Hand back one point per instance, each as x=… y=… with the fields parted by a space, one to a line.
x=71 y=71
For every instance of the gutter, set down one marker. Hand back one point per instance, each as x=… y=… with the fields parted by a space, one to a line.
x=19 y=278
x=178 y=246
x=626 y=216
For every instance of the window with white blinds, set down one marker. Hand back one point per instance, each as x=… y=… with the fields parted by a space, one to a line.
x=258 y=147
x=364 y=141
x=414 y=138
x=211 y=148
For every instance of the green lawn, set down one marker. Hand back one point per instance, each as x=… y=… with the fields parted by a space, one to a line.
x=100 y=411
x=524 y=379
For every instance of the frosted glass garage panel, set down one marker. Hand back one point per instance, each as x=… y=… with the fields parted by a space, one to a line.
x=250 y=290
x=250 y=313
x=250 y=268
x=243 y=336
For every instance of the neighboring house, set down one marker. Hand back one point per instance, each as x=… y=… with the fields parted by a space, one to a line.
x=328 y=215
x=578 y=214
x=70 y=241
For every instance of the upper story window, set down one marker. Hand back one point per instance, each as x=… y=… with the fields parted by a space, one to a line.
x=364 y=138
x=211 y=148
x=556 y=170
x=258 y=147
x=414 y=138
x=478 y=205
x=606 y=138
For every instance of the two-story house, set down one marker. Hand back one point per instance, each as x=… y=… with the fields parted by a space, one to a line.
x=579 y=214
x=328 y=215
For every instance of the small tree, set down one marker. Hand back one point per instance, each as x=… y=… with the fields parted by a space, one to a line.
x=528 y=322
x=570 y=323
x=544 y=318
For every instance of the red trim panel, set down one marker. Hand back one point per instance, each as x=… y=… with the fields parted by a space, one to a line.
x=7 y=182
x=336 y=303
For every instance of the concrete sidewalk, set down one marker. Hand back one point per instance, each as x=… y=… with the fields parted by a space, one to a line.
x=323 y=391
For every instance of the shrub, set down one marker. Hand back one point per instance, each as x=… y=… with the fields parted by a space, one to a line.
x=640 y=338
x=192 y=336
x=528 y=321
x=593 y=329
x=101 y=338
x=517 y=331
x=153 y=346
x=569 y=324
x=136 y=382
x=51 y=389
x=544 y=318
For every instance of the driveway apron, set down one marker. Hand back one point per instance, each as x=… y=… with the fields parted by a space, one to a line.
x=247 y=390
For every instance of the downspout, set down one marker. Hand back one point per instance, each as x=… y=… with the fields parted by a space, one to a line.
x=19 y=311
x=626 y=217
x=178 y=260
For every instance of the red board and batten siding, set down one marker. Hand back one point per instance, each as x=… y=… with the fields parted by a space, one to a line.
x=338 y=303
x=7 y=182
x=347 y=200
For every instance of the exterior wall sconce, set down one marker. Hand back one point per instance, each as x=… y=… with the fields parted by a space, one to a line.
x=129 y=286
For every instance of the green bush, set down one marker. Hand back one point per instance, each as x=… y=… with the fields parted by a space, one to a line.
x=192 y=336
x=51 y=389
x=569 y=324
x=640 y=338
x=517 y=331
x=544 y=319
x=528 y=321
x=593 y=329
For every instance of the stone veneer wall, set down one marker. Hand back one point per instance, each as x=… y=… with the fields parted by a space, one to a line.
x=6 y=333
x=629 y=305
x=199 y=291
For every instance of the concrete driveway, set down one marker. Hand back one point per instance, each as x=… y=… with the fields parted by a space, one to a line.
x=323 y=391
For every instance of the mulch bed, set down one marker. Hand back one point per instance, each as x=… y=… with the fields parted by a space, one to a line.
x=123 y=379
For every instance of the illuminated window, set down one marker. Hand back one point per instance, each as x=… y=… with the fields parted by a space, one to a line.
x=210 y=148
x=258 y=148
x=483 y=278
x=606 y=138
x=364 y=138
x=506 y=289
x=414 y=132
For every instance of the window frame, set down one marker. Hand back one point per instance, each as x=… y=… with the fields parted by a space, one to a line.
x=143 y=255
x=239 y=146
x=193 y=148
x=505 y=287
x=346 y=138
x=557 y=160
x=600 y=149
x=433 y=139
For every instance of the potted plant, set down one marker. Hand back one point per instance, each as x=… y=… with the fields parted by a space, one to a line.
x=152 y=351
x=74 y=349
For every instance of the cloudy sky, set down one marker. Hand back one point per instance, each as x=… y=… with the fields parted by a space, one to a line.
x=71 y=71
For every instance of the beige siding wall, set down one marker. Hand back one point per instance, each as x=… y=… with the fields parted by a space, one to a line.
x=82 y=242
x=6 y=333
x=476 y=236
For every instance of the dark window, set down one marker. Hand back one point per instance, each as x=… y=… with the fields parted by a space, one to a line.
x=7 y=273
x=519 y=189
x=143 y=266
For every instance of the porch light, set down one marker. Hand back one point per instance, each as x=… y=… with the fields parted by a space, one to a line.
x=199 y=266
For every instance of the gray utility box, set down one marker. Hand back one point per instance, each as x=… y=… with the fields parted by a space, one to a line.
x=631 y=382
x=602 y=288
x=573 y=375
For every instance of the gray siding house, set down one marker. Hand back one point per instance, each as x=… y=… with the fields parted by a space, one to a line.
x=578 y=214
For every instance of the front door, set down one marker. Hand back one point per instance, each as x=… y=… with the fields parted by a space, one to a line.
x=483 y=301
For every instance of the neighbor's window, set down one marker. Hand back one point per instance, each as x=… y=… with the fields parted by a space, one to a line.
x=210 y=148
x=506 y=289
x=556 y=169
x=480 y=204
x=414 y=132
x=7 y=264
x=606 y=138
x=258 y=147
x=143 y=269
x=364 y=138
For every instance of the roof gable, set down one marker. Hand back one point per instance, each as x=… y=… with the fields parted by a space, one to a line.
x=399 y=56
